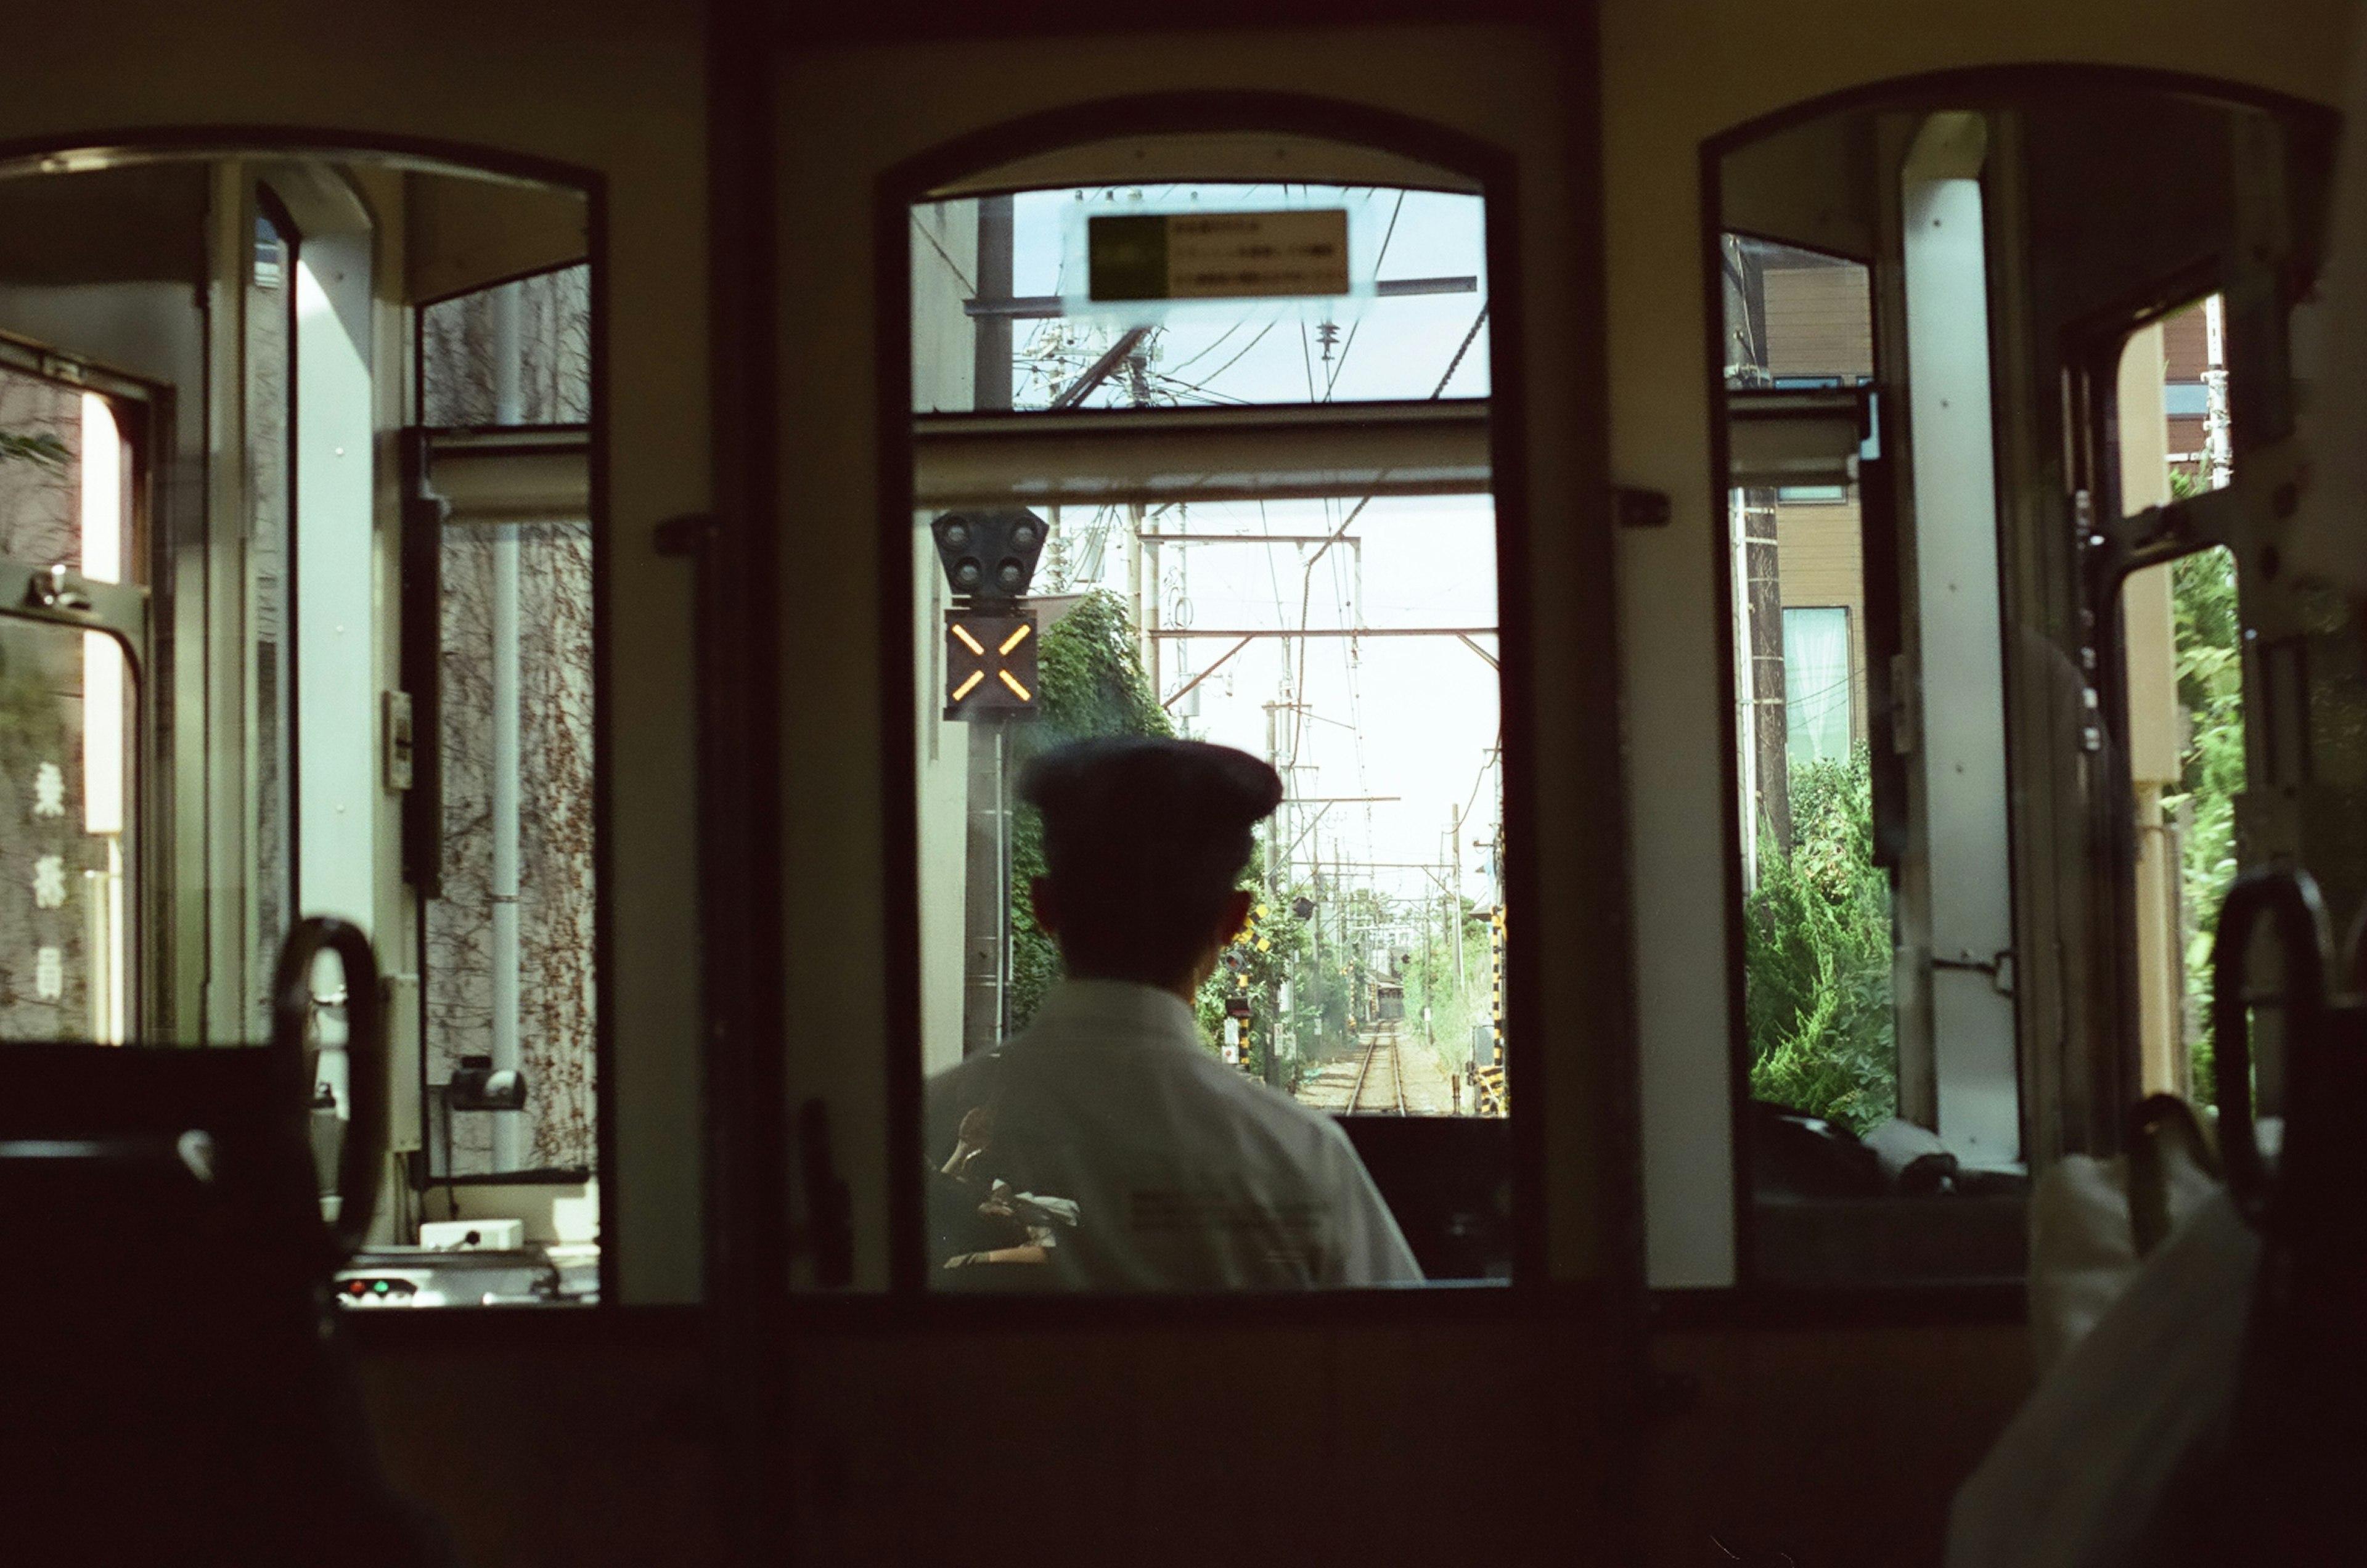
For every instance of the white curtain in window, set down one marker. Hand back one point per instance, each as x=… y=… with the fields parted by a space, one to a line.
x=1817 y=685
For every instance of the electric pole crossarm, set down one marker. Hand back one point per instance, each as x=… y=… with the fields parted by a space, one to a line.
x=1077 y=391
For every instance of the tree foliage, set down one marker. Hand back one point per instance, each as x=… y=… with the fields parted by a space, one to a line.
x=1817 y=947
x=1090 y=685
x=1272 y=949
x=1430 y=982
x=2209 y=635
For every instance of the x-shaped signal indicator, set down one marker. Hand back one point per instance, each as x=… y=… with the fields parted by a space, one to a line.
x=990 y=664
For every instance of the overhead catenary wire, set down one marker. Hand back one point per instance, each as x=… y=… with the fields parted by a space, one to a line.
x=1457 y=363
x=1341 y=363
x=1218 y=344
x=1236 y=358
x=1178 y=385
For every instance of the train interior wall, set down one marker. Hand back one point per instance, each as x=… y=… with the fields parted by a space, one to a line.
x=1248 y=1443
x=1841 y=1446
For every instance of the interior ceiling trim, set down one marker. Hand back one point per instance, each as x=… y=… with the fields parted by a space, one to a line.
x=1247 y=157
x=1100 y=458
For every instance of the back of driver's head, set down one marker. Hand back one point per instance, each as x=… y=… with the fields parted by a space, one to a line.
x=1144 y=840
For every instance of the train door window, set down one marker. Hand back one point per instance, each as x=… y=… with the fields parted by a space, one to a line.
x=1821 y=1031
x=1878 y=1038
x=1229 y=440
x=2182 y=689
x=1965 y=953
x=503 y=568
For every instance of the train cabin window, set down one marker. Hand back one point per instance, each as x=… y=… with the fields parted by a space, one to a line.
x=1991 y=755
x=295 y=519
x=1223 y=448
x=508 y=977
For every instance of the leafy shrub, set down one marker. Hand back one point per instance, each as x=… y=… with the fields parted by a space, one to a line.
x=2211 y=694
x=1090 y=684
x=1817 y=955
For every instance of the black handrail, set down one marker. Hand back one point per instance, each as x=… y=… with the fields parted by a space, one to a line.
x=2289 y=900
x=362 y=1153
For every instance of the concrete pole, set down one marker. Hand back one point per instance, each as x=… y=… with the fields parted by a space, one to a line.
x=1746 y=706
x=986 y=888
x=1454 y=902
x=1141 y=596
x=2218 y=447
x=1154 y=592
x=1429 y=984
x=1273 y=760
x=512 y=1138
x=990 y=361
x=986 y=894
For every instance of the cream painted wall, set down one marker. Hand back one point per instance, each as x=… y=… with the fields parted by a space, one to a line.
x=1674 y=72
x=945 y=374
x=849 y=113
x=611 y=88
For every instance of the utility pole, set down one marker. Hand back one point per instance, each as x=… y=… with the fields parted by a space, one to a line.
x=986 y=894
x=1273 y=760
x=986 y=891
x=991 y=364
x=1428 y=983
x=1142 y=583
x=1455 y=900
x=2218 y=450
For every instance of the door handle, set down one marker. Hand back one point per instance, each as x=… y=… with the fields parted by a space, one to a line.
x=56 y=589
x=1998 y=967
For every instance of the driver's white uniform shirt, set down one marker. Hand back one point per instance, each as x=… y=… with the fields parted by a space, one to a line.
x=1186 y=1175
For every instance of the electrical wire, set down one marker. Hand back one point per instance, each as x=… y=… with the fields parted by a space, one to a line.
x=1212 y=347
x=1225 y=398
x=1236 y=358
x=1487 y=762
x=1457 y=363
x=1341 y=363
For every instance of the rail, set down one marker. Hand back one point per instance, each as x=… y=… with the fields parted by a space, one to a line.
x=1365 y=1069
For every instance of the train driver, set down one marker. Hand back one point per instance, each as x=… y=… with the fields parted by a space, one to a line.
x=1105 y=1146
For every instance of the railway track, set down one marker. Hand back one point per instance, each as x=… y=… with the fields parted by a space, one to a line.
x=1380 y=1087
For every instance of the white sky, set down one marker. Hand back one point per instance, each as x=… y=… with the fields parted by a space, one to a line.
x=1414 y=717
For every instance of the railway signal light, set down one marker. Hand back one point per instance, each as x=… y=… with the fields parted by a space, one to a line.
x=990 y=555
x=990 y=664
